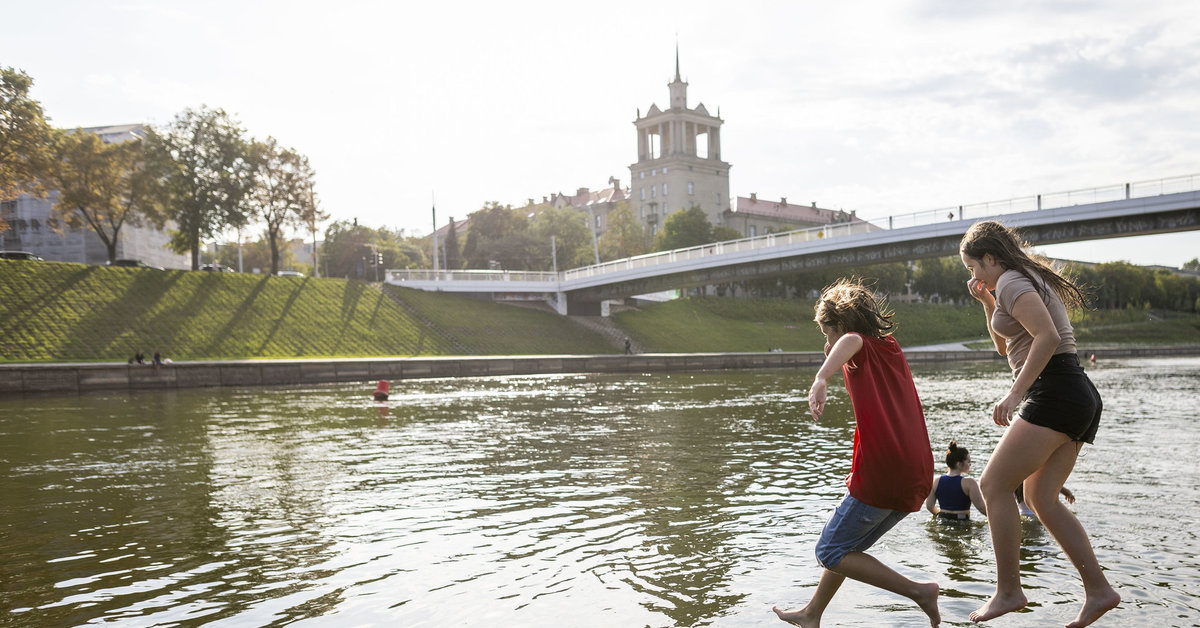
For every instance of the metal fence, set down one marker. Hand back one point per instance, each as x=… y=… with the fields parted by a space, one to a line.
x=975 y=211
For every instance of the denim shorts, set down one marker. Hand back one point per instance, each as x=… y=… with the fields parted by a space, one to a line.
x=854 y=527
x=1064 y=399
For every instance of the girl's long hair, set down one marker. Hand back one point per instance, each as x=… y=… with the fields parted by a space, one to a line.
x=1002 y=243
x=848 y=304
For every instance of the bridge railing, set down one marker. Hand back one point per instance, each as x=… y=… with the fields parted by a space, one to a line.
x=418 y=274
x=1102 y=194
x=974 y=211
x=719 y=248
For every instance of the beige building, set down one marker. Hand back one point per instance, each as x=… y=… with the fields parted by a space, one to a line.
x=755 y=217
x=679 y=160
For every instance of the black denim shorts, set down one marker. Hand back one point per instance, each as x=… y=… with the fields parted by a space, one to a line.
x=1064 y=399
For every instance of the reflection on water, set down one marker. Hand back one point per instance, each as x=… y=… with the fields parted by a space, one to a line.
x=579 y=500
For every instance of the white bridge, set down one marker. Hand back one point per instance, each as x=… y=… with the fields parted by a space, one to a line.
x=1129 y=209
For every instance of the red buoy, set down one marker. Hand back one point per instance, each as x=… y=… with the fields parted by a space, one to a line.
x=381 y=390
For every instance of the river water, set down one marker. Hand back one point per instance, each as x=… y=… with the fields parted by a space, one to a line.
x=567 y=500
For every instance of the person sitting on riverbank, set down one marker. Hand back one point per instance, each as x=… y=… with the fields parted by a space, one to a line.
x=891 y=469
x=953 y=492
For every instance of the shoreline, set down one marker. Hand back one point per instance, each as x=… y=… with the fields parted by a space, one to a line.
x=83 y=377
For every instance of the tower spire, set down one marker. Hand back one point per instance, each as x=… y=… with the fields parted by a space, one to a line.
x=677 y=79
x=677 y=86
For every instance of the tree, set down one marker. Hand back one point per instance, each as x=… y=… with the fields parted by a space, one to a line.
x=105 y=186
x=349 y=247
x=683 y=229
x=281 y=195
x=210 y=176
x=625 y=235
x=453 y=256
x=572 y=239
x=498 y=235
x=25 y=139
x=942 y=276
x=1192 y=264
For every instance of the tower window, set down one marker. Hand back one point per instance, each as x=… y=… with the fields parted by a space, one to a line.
x=691 y=188
x=642 y=191
x=653 y=171
x=664 y=189
x=664 y=170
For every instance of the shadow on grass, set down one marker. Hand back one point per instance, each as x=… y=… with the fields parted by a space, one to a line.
x=108 y=316
x=235 y=317
x=283 y=314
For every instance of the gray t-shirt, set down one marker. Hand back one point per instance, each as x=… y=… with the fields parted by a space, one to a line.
x=1011 y=285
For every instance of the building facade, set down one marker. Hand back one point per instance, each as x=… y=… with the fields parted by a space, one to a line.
x=754 y=217
x=678 y=160
x=34 y=227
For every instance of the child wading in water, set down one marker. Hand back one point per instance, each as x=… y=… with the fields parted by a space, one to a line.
x=891 y=470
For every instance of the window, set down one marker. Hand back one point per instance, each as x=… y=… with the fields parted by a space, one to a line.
x=653 y=191
x=753 y=231
x=642 y=174
x=642 y=191
x=718 y=198
x=664 y=189
x=653 y=171
x=664 y=170
x=691 y=189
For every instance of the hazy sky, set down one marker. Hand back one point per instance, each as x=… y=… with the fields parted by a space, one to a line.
x=884 y=107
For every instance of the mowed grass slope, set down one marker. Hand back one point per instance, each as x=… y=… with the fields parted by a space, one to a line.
x=53 y=311
x=711 y=324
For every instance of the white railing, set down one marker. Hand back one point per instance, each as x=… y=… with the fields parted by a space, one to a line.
x=469 y=275
x=975 y=211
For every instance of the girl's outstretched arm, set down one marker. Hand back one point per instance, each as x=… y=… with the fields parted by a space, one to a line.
x=841 y=353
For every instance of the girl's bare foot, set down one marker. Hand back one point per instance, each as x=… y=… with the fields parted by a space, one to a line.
x=928 y=601
x=1094 y=606
x=999 y=605
x=797 y=618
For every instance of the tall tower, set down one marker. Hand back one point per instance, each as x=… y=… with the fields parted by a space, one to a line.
x=679 y=160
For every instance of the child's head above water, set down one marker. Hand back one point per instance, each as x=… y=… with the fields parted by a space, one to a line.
x=847 y=305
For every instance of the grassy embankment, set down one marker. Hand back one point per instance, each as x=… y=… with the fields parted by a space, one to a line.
x=71 y=312
x=53 y=311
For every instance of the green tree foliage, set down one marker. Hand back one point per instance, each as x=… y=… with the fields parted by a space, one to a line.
x=25 y=139
x=1192 y=264
x=944 y=277
x=349 y=248
x=211 y=175
x=103 y=187
x=624 y=236
x=281 y=195
x=683 y=229
x=453 y=254
x=572 y=238
x=499 y=236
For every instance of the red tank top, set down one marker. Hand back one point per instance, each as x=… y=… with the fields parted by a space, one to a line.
x=892 y=466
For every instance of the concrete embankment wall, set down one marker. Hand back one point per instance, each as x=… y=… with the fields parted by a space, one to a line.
x=88 y=377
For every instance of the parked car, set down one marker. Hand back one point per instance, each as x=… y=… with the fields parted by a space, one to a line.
x=290 y=273
x=23 y=255
x=217 y=268
x=132 y=263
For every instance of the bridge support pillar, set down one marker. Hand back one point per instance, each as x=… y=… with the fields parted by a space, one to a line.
x=579 y=307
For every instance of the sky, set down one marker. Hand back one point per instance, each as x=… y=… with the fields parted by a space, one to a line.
x=879 y=106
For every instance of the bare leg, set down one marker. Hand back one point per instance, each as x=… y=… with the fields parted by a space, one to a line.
x=1022 y=450
x=867 y=569
x=810 y=615
x=1044 y=486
